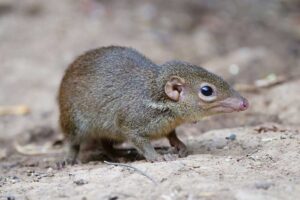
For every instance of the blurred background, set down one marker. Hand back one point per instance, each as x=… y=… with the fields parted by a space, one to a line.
x=253 y=44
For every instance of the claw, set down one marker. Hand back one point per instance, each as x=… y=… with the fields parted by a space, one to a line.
x=63 y=163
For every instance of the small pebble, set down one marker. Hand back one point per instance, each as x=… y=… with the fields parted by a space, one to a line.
x=231 y=137
x=263 y=185
x=283 y=137
x=163 y=180
x=80 y=182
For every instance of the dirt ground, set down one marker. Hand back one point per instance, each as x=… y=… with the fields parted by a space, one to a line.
x=255 y=45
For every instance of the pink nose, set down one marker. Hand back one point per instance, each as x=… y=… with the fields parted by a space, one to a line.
x=244 y=104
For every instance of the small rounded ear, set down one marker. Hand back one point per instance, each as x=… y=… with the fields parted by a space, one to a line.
x=174 y=87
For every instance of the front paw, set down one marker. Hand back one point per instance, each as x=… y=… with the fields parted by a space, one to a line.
x=67 y=161
x=181 y=151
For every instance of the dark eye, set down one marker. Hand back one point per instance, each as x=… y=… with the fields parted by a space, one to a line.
x=207 y=91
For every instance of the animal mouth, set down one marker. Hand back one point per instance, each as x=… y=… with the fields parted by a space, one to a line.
x=229 y=105
x=222 y=109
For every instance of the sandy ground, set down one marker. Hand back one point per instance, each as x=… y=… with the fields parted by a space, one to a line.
x=243 y=41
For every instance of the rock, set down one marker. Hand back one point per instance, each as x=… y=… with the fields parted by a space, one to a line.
x=80 y=182
x=263 y=185
x=231 y=137
x=283 y=137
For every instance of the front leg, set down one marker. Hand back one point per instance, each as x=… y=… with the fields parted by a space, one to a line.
x=145 y=148
x=137 y=130
x=178 y=144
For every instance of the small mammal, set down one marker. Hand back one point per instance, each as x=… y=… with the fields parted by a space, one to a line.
x=115 y=94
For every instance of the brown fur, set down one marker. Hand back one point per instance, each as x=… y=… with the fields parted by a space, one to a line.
x=116 y=93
